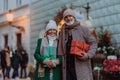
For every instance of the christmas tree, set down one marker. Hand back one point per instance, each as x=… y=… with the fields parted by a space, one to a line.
x=105 y=45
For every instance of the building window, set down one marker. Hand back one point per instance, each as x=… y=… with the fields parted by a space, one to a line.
x=19 y=2
x=19 y=38
x=5 y=5
x=6 y=40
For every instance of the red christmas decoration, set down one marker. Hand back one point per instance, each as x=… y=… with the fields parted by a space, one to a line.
x=111 y=65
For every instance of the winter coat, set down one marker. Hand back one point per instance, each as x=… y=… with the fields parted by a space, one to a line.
x=3 y=60
x=15 y=61
x=8 y=59
x=24 y=60
x=82 y=68
x=39 y=58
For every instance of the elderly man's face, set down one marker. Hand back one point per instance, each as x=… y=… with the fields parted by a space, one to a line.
x=69 y=19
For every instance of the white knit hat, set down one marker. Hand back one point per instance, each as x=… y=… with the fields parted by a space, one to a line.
x=51 y=25
x=68 y=12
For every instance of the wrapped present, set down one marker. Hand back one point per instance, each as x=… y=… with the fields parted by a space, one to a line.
x=111 y=65
x=50 y=52
x=77 y=48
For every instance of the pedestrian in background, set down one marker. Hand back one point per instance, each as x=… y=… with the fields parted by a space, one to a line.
x=23 y=64
x=3 y=61
x=1 y=70
x=8 y=62
x=15 y=63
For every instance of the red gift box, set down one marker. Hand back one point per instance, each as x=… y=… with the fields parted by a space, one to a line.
x=78 y=47
x=111 y=65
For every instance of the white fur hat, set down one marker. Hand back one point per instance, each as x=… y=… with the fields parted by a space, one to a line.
x=51 y=25
x=68 y=12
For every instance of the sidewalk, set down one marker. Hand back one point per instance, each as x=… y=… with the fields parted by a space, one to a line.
x=22 y=79
x=28 y=78
x=11 y=72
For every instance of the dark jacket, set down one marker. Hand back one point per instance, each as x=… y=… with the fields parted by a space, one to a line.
x=15 y=61
x=24 y=60
x=3 y=58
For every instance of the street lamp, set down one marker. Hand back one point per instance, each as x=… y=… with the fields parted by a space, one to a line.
x=10 y=19
x=10 y=16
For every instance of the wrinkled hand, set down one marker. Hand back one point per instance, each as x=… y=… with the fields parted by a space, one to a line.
x=84 y=57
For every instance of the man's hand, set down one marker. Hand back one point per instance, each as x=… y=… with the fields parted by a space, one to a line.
x=84 y=57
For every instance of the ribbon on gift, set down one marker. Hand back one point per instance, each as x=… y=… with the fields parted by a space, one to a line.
x=77 y=48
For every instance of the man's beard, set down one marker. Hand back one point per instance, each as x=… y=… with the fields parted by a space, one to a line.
x=70 y=22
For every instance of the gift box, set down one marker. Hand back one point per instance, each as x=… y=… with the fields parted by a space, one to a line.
x=111 y=65
x=78 y=47
x=50 y=52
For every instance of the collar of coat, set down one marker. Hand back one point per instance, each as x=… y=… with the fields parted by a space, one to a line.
x=61 y=43
x=71 y=26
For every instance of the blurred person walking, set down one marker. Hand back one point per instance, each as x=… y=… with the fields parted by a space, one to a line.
x=1 y=70
x=8 y=62
x=3 y=61
x=15 y=63
x=23 y=64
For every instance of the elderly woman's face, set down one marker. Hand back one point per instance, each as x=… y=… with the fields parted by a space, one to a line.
x=69 y=19
x=52 y=32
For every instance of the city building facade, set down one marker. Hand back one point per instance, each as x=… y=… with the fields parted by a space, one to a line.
x=16 y=34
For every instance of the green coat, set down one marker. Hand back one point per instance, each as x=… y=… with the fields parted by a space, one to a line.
x=39 y=58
